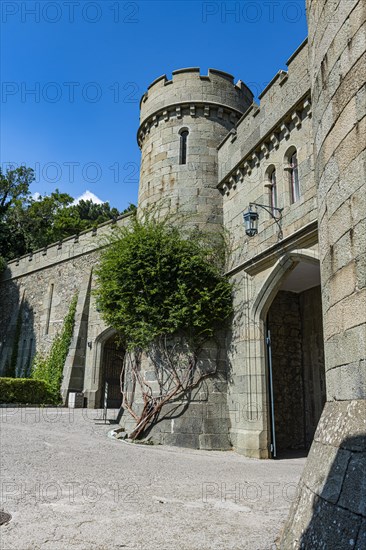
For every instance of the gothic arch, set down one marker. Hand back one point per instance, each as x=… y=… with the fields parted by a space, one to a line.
x=274 y=280
x=261 y=307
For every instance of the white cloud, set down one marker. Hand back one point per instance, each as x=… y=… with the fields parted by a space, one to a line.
x=88 y=196
x=36 y=196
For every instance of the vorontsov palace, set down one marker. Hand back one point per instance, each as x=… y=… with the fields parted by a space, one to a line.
x=299 y=269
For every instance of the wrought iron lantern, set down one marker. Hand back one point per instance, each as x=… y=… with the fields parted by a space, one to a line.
x=251 y=218
x=251 y=221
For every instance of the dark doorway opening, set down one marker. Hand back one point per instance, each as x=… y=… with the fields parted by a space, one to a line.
x=112 y=363
x=297 y=384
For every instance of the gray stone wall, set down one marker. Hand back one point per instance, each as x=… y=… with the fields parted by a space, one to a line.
x=338 y=63
x=295 y=324
x=310 y=303
x=273 y=116
x=200 y=419
x=35 y=295
x=32 y=293
x=188 y=85
x=330 y=508
x=264 y=137
x=284 y=322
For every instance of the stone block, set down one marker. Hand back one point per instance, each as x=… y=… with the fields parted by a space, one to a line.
x=329 y=527
x=75 y=400
x=347 y=381
x=319 y=479
x=343 y=424
x=353 y=495
x=187 y=424
x=252 y=443
x=299 y=518
x=361 y=537
x=360 y=271
x=218 y=442
x=215 y=425
x=190 y=441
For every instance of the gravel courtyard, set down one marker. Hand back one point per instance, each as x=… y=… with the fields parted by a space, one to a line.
x=68 y=485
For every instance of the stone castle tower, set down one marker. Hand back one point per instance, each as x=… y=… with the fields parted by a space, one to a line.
x=182 y=122
x=295 y=353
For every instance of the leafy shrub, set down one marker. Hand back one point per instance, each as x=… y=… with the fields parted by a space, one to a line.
x=26 y=391
x=49 y=368
x=11 y=366
x=154 y=281
x=164 y=292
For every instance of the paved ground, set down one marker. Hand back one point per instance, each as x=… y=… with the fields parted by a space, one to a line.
x=68 y=485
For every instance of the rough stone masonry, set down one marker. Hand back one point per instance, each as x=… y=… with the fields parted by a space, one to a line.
x=296 y=159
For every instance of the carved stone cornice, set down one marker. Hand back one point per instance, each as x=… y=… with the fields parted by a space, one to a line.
x=270 y=142
x=175 y=110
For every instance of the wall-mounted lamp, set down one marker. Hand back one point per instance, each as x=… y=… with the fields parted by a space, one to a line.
x=90 y=345
x=251 y=217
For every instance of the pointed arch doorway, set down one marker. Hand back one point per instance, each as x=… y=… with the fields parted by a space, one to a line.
x=112 y=363
x=288 y=314
x=295 y=347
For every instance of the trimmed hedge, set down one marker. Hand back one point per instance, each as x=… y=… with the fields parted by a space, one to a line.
x=26 y=391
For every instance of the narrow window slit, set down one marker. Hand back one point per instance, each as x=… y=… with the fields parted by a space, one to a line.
x=183 y=147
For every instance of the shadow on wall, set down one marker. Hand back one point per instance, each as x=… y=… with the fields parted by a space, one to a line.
x=329 y=512
x=17 y=336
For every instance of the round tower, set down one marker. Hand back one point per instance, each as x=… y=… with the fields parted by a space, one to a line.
x=182 y=122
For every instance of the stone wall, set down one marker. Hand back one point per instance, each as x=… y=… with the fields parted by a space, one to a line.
x=35 y=294
x=310 y=303
x=330 y=508
x=263 y=139
x=337 y=33
x=284 y=322
x=200 y=419
x=295 y=324
x=281 y=107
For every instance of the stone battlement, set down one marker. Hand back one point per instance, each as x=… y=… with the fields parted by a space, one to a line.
x=283 y=104
x=72 y=247
x=189 y=85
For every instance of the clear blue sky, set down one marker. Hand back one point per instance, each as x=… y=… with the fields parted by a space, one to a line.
x=88 y=64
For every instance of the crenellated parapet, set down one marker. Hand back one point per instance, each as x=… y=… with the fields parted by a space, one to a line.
x=284 y=104
x=193 y=94
x=188 y=84
x=266 y=147
x=205 y=108
x=86 y=242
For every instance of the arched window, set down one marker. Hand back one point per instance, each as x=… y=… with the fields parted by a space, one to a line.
x=293 y=176
x=183 y=146
x=272 y=186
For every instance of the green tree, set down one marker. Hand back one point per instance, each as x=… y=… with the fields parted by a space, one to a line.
x=14 y=190
x=37 y=219
x=14 y=185
x=154 y=281
x=28 y=224
x=164 y=293
x=81 y=216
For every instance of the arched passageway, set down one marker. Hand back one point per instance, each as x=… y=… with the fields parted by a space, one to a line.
x=296 y=372
x=112 y=362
